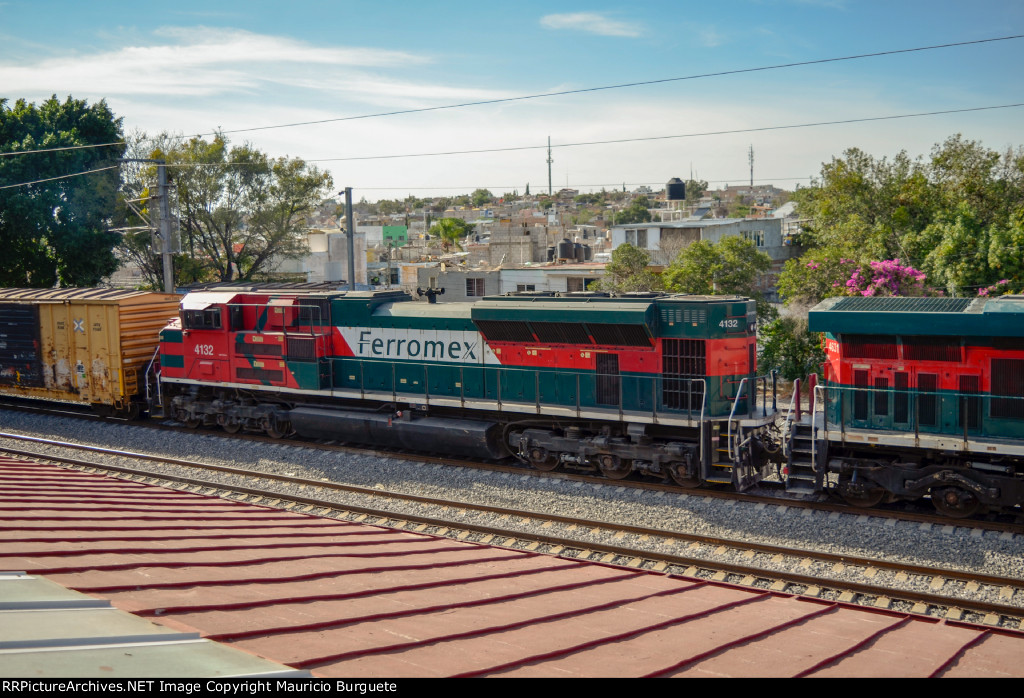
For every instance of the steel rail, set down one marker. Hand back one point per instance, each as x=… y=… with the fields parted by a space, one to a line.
x=561 y=542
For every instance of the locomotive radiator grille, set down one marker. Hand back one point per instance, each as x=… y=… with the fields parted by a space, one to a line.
x=683 y=360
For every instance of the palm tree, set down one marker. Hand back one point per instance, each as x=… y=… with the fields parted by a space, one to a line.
x=449 y=230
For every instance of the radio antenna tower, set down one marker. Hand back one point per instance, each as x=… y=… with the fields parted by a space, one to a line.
x=549 y=165
x=751 y=166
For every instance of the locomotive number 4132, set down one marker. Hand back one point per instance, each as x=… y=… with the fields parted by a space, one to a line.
x=204 y=349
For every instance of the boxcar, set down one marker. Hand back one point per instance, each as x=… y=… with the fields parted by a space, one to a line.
x=88 y=346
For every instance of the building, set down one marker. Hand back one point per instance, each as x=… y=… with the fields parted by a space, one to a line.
x=665 y=240
x=461 y=284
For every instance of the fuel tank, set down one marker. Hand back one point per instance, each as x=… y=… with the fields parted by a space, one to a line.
x=461 y=437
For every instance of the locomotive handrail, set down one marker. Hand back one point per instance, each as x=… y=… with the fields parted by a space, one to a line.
x=788 y=425
x=964 y=411
x=728 y=426
x=149 y=367
x=814 y=423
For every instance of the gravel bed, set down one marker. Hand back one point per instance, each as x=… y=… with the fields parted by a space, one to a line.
x=950 y=546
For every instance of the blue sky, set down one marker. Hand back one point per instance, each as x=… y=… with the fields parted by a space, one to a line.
x=193 y=67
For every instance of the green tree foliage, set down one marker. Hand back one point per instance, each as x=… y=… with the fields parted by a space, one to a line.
x=628 y=271
x=636 y=212
x=441 y=204
x=58 y=230
x=588 y=199
x=958 y=217
x=481 y=197
x=789 y=348
x=730 y=266
x=239 y=208
x=694 y=190
x=450 y=231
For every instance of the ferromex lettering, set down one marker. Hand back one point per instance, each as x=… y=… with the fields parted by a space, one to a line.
x=417 y=345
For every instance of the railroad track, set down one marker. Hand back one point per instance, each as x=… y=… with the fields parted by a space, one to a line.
x=924 y=589
x=770 y=492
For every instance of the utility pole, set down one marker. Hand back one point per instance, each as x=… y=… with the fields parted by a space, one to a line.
x=165 y=225
x=163 y=229
x=751 y=154
x=351 y=229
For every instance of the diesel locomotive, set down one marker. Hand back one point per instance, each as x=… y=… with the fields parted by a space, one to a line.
x=920 y=397
x=657 y=384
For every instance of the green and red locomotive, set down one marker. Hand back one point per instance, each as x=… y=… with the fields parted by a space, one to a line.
x=663 y=385
x=922 y=396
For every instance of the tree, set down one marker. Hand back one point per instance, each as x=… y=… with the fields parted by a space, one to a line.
x=450 y=231
x=636 y=212
x=239 y=209
x=441 y=204
x=819 y=274
x=789 y=348
x=730 y=266
x=694 y=190
x=956 y=217
x=389 y=207
x=481 y=197
x=628 y=272
x=58 y=230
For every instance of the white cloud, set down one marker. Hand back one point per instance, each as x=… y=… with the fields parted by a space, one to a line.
x=194 y=62
x=591 y=22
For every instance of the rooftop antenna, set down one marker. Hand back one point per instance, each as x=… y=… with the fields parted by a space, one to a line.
x=549 y=165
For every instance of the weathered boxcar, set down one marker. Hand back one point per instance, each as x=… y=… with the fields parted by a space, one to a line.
x=923 y=396
x=84 y=345
x=660 y=384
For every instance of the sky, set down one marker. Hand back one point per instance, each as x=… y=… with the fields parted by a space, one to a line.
x=252 y=69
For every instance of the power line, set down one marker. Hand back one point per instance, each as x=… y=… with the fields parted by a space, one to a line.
x=576 y=185
x=51 y=179
x=657 y=138
x=585 y=143
x=54 y=150
x=563 y=93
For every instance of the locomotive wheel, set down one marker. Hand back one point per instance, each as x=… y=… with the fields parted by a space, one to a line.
x=955 y=502
x=275 y=430
x=231 y=427
x=682 y=475
x=861 y=497
x=614 y=468
x=190 y=422
x=541 y=459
